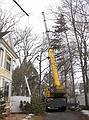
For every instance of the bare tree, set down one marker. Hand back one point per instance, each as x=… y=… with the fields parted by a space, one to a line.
x=26 y=44
x=8 y=21
x=77 y=17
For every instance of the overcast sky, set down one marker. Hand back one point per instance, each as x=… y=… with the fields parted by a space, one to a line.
x=34 y=8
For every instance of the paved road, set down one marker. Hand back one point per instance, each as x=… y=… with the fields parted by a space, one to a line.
x=68 y=115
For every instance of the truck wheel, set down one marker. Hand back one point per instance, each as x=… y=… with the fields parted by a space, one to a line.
x=47 y=110
x=64 y=109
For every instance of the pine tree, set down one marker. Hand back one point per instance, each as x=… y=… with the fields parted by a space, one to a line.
x=58 y=41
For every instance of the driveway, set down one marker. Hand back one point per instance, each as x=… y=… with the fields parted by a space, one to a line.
x=68 y=115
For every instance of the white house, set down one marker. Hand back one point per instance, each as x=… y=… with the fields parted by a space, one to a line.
x=7 y=58
x=7 y=61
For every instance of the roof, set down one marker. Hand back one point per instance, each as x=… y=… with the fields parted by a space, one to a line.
x=3 y=34
x=8 y=47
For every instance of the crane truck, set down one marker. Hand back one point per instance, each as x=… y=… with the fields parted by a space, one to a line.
x=55 y=95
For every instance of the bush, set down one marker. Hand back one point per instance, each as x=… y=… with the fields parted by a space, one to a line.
x=2 y=104
x=36 y=106
x=84 y=107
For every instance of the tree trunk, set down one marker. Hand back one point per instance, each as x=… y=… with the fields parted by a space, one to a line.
x=80 y=56
x=72 y=73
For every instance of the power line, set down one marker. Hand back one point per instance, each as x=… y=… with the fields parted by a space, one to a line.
x=21 y=8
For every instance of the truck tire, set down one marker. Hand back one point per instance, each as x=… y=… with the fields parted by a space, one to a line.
x=47 y=110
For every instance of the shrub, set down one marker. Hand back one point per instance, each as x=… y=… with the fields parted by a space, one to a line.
x=36 y=106
x=2 y=104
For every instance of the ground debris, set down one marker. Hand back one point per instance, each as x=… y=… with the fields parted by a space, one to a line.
x=15 y=117
x=23 y=117
x=82 y=116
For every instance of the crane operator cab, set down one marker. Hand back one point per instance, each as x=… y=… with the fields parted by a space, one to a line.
x=55 y=100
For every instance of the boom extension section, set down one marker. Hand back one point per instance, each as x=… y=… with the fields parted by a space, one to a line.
x=56 y=81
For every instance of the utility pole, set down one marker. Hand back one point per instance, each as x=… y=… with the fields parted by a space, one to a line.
x=40 y=72
x=40 y=61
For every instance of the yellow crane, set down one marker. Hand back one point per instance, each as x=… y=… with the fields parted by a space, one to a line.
x=55 y=96
x=57 y=82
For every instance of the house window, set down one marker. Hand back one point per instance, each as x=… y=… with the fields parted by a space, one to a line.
x=8 y=63
x=6 y=89
x=1 y=56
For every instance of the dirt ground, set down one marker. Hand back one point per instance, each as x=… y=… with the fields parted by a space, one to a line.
x=22 y=116
x=82 y=116
x=15 y=117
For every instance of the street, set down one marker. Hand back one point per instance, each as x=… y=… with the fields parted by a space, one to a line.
x=68 y=115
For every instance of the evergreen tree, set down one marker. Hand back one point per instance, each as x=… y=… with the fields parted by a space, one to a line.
x=65 y=50
x=59 y=29
x=59 y=42
x=29 y=70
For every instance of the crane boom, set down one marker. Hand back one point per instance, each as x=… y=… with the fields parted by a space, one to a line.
x=47 y=33
x=54 y=68
x=56 y=81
